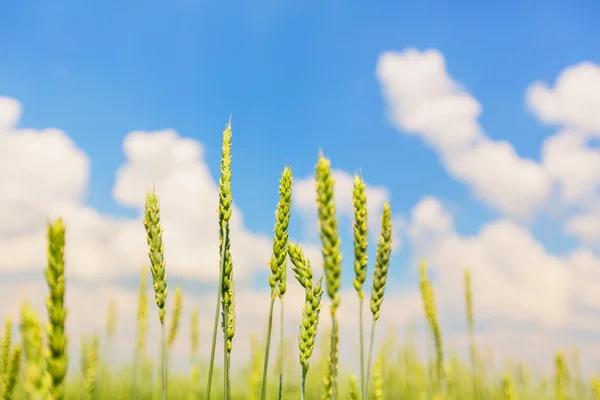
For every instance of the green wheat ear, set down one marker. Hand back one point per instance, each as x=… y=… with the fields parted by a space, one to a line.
x=175 y=317
x=156 y=253
x=277 y=279
x=32 y=339
x=57 y=361
x=332 y=261
x=380 y=274
x=361 y=239
x=159 y=273
x=312 y=308
x=430 y=307
x=328 y=228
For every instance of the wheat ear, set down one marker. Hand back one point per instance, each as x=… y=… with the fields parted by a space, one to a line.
x=91 y=368
x=380 y=274
x=225 y=283
x=332 y=257
x=312 y=308
x=32 y=339
x=142 y=329
x=430 y=307
x=57 y=360
x=159 y=274
x=277 y=265
x=361 y=259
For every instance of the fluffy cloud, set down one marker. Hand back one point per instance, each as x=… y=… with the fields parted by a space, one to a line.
x=517 y=282
x=423 y=99
x=52 y=179
x=572 y=104
x=573 y=101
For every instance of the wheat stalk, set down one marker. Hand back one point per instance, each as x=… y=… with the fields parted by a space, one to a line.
x=380 y=274
x=277 y=279
x=429 y=305
x=561 y=376
x=32 y=339
x=175 y=318
x=91 y=368
x=361 y=259
x=225 y=284
x=142 y=328
x=312 y=308
x=159 y=273
x=332 y=256
x=57 y=360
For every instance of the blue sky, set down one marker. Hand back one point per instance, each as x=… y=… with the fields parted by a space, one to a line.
x=296 y=77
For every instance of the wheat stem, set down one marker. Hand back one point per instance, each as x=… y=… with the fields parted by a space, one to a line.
x=216 y=323
x=263 y=390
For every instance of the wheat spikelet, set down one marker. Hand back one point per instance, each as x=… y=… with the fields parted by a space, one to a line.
x=11 y=373
x=277 y=279
x=328 y=228
x=360 y=226
x=175 y=317
x=312 y=307
x=57 y=361
x=330 y=250
x=382 y=262
x=429 y=305
x=156 y=253
x=159 y=273
x=561 y=376
x=91 y=369
x=32 y=339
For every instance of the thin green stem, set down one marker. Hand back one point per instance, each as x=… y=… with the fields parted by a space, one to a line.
x=281 y=351
x=334 y=358
x=362 y=352
x=225 y=353
x=216 y=324
x=371 y=341
x=303 y=386
x=163 y=360
x=263 y=391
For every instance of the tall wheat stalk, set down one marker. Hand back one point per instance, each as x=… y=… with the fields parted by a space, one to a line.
x=312 y=308
x=225 y=284
x=142 y=328
x=277 y=265
x=380 y=274
x=430 y=307
x=57 y=360
x=471 y=330
x=361 y=259
x=32 y=339
x=159 y=275
x=332 y=262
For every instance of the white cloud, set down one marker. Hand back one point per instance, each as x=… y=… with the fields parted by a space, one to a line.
x=517 y=283
x=574 y=100
x=569 y=157
x=44 y=175
x=423 y=99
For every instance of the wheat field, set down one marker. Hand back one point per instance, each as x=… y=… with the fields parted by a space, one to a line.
x=33 y=365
